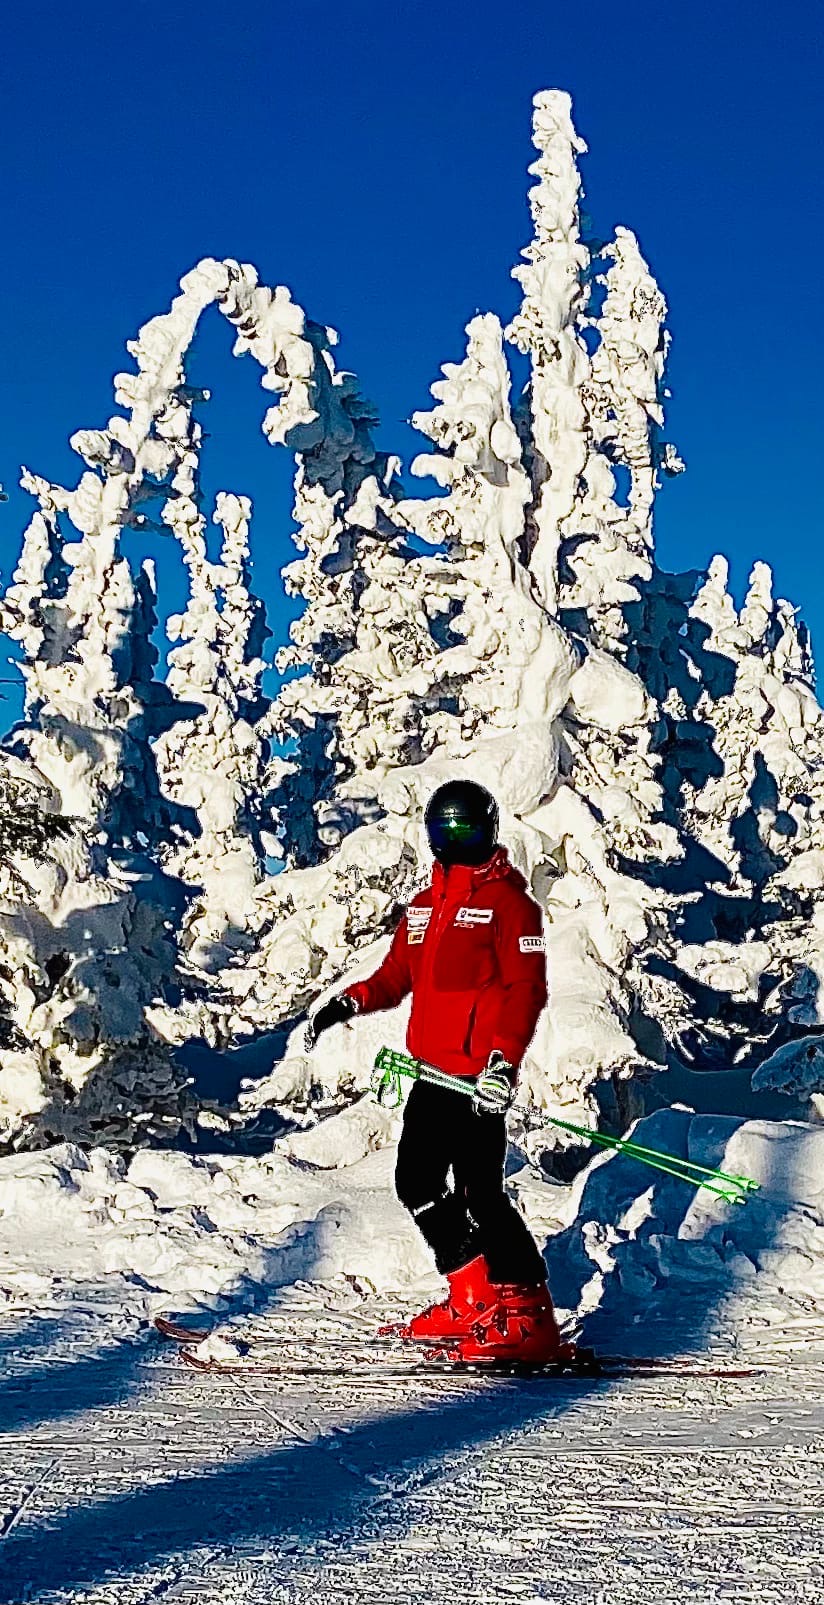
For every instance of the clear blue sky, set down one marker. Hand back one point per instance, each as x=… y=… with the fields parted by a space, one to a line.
x=373 y=157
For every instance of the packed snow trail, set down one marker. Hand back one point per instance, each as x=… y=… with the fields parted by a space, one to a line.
x=139 y=1481
x=127 y=1478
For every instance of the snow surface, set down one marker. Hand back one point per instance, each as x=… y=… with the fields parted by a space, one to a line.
x=173 y=1230
x=127 y=1478
x=260 y=1491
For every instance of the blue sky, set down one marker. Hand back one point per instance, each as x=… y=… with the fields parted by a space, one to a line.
x=373 y=158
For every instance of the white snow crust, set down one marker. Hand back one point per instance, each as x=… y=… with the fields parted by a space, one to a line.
x=172 y=1231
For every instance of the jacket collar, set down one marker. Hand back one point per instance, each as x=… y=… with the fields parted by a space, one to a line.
x=461 y=880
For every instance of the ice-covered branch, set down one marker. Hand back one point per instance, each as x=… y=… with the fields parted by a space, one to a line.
x=215 y=764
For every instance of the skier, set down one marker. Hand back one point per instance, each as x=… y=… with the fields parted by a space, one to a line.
x=471 y=950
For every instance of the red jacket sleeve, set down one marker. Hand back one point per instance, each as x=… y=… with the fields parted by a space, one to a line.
x=523 y=978
x=390 y=982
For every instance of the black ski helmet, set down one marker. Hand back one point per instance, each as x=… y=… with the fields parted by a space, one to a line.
x=462 y=823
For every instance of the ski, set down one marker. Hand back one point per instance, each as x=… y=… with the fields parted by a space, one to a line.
x=604 y=1371
x=177 y=1332
x=190 y=1337
x=587 y=1366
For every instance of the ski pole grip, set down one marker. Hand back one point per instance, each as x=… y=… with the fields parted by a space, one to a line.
x=384 y=1083
x=388 y=1068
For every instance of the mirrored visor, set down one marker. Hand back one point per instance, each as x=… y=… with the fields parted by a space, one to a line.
x=449 y=833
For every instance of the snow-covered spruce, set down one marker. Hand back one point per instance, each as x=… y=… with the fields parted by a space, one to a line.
x=656 y=754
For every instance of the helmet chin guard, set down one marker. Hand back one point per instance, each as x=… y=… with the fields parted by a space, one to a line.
x=462 y=823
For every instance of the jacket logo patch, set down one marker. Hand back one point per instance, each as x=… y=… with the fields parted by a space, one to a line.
x=473 y=916
x=532 y=944
x=417 y=920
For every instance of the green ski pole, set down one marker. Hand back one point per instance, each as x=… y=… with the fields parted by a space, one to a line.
x=391 y=1065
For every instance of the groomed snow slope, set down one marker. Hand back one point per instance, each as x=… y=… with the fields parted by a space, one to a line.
x=128 y=1479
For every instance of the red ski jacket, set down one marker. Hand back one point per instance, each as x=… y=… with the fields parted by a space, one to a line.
x=471 y=950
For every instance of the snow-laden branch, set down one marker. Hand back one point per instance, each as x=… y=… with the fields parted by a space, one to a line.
x=547 y=329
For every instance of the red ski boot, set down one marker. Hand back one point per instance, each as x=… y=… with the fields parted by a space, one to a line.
x=520 y=1328
x=471 y=1295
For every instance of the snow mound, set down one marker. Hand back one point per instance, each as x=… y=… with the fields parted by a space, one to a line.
x=642 y=1250
x=796 y=1068
x=169 y=1230
x=633 y=1255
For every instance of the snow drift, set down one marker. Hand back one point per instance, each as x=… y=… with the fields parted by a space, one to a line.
x=635 y=1258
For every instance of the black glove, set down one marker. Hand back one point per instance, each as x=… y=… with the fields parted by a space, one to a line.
x=333 y=1013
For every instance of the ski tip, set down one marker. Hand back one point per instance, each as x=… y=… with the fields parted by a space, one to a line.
x=176 y=1331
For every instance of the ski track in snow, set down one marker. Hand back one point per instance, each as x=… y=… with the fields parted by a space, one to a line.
x=128 y=1478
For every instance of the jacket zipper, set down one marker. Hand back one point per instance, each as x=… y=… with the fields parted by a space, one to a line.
x=433 y=937
x=470 y=1028
x=431 y=960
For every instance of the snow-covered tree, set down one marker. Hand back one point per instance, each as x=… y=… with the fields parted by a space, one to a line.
x=657 y=754
x=214 y=764
x=623 y=396
x=96 y=935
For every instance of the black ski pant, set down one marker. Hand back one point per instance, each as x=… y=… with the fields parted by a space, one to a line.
x=442 y=1133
